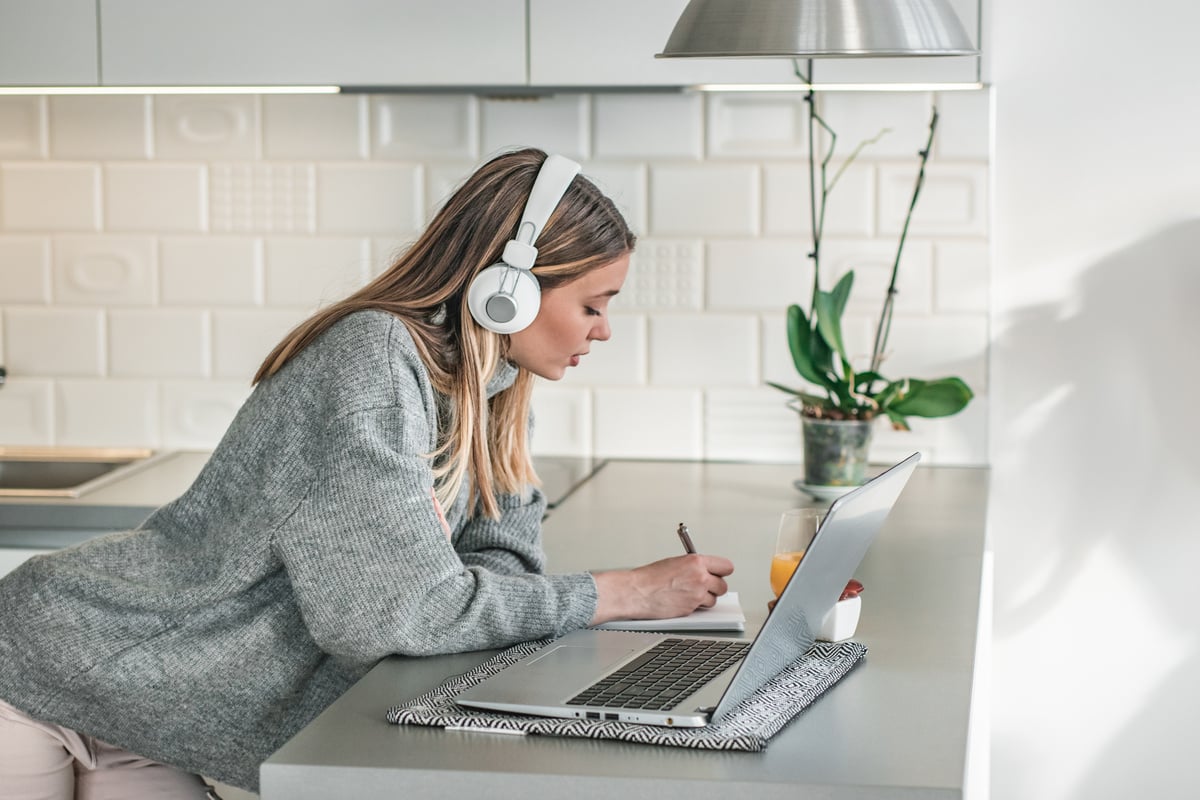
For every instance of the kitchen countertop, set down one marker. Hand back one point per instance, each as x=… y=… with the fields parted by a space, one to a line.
x=48 y=522
x=121 y=504
x=896 y=727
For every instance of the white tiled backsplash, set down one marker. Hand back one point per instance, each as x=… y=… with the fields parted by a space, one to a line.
x=153 y=249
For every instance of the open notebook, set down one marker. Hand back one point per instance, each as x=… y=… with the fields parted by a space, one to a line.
x=726 y=615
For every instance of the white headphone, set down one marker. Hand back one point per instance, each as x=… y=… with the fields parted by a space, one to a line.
x=505 y=297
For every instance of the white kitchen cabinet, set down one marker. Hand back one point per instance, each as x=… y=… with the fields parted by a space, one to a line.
x=48 y=43
x=290 y=42
x=613 y=42
x=13 y=557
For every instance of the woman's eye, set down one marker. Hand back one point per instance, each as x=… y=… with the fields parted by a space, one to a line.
x=592 y=312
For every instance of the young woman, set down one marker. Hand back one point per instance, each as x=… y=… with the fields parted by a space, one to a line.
x=373 y=496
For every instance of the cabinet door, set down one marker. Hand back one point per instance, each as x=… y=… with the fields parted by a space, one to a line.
x=613 y=42
x=48 y=42
x=289 y=42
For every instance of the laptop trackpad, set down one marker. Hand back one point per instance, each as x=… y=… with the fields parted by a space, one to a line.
x=567 y=657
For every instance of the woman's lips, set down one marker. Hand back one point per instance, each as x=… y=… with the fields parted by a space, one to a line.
x=574 y=361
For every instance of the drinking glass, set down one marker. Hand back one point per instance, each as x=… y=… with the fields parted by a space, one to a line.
x=797 y=526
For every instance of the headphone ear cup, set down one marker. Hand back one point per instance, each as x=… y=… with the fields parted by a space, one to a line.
x=504 y=299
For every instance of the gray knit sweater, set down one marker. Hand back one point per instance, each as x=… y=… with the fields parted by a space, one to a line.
x=307 y=549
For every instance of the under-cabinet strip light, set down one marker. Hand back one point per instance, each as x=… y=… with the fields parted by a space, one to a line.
x=835 y=87
x=21 y=90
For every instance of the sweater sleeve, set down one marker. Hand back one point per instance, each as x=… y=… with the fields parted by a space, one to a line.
x=374 y=574
x=510 y=545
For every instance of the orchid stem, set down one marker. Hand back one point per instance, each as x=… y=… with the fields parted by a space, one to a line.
x=885 y=317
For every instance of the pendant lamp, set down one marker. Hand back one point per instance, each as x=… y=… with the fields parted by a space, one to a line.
x=817 y=29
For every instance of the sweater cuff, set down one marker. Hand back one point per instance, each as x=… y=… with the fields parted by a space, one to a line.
x=579 y=599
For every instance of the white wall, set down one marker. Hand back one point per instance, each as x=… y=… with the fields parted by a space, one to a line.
x=153 y=249
x=1094 y=433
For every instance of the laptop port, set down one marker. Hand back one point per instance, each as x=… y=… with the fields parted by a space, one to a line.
x=593 y=715
x=610 y=716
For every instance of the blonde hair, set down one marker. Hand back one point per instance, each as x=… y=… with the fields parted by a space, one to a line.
x=485 y=442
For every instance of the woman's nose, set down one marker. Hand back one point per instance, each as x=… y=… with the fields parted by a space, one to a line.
x=602 y=331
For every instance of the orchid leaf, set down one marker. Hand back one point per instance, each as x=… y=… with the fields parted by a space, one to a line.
x=800 y=339
x=829 y=307
x=936 y=398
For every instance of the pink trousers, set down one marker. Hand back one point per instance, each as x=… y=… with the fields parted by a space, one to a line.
x=41 y=761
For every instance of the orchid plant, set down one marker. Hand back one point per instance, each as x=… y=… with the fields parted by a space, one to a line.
x=815 y=338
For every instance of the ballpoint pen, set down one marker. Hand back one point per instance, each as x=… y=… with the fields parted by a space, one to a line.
x=686 y=538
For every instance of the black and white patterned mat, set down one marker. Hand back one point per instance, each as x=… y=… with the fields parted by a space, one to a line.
x=747 y=727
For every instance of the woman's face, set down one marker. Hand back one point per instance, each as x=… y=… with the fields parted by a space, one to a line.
x=569 y=319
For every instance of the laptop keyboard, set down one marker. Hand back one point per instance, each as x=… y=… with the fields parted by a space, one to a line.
x=663 y=675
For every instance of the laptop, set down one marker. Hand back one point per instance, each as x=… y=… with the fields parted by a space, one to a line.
x=690 y=681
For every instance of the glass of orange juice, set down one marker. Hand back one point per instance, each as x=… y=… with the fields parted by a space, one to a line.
x=797 y=526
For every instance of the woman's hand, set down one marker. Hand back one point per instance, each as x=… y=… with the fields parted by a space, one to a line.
x=672 y=587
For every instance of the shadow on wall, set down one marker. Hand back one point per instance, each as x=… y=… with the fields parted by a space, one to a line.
x=1096 y=536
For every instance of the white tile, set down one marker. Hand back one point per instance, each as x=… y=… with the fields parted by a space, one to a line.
x=369 y=198
x=195 y=414
x=872 y=262
x=769 y=125
x=22 y=127
x=50 y=197
x=750 y=425
x=24 y=269
x=649 y=125
x=314 y=126
x=860 y=116
x=704 y=200
x=112 y=126
x=562 y=421
x=703 y=350
x=937 y=347
x=27 y=411
x=747 y=274
x=107 y=413
x=206 y=126
x=171 y=198
x=619 y=361
x=962 y=438
x=425 y=126
x=211 y=270
x=962 y=276
x=964 y=125
x=849 y=210
x=385 y=250
x=54 y=342
x=145 y=343
x=625 y=185
x=311 y=271
x=243 y=339
x=664 y=274
x=648 y=423
x=953 y=200
x=262 y=198
x=441 y=181
x=104 y=270
x=777 y=363
x=556 y=124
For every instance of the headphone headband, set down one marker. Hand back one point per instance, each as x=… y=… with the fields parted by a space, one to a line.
x=505 y=297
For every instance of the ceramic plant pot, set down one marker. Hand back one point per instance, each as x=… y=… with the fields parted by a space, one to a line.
x=835 y=451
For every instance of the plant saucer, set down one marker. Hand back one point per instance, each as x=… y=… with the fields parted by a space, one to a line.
x=823 y=493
